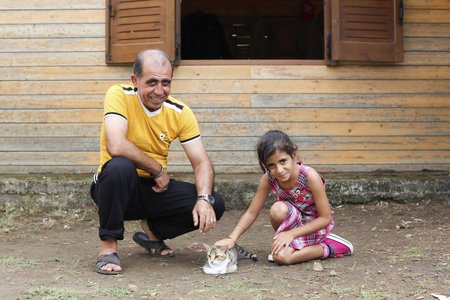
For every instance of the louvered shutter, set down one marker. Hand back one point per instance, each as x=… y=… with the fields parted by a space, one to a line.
x=136 y=25
x=366 y=30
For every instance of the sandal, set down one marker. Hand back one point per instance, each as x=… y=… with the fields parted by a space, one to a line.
x=154 y=247
x=103 y=260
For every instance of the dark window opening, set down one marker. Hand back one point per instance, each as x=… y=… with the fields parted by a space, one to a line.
x=252 y=29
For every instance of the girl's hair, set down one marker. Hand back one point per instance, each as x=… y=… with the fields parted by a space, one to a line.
x=272 y=141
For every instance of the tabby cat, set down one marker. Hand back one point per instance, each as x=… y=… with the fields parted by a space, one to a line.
x=222 y=261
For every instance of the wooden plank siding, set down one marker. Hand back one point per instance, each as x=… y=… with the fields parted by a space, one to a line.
x=346 y=118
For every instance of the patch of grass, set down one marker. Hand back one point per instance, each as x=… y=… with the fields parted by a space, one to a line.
x=70 y=214
x=415 y=252
x=46 y=293
x=242 y=289
x=19 y=261
x=117 y=292
x=372 y=295
x=339 y=291
x=7 y=221
x=393 y=259
x=28 y=214
x=311 y=297
x=411 y=253
x=150 y=293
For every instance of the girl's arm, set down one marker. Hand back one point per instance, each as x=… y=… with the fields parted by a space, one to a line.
x=250 y=215
x=324 y=218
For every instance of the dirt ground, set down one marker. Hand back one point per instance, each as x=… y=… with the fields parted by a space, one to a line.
x=402 y=251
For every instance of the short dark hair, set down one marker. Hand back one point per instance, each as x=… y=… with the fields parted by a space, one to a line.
x=272 y=141
x=137 y=67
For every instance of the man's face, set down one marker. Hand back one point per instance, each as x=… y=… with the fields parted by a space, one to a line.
x=154 y=84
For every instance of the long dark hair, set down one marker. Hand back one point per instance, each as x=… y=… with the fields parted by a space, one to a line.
x=272 y=141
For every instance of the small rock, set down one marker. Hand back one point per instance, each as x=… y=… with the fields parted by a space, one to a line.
x=317 y=266
x=133 y=287
x=194 y=246
x=333 y=273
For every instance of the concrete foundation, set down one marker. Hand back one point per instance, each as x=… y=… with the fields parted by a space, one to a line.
x=50 y=191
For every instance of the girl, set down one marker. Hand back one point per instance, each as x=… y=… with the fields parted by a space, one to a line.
x=301 y=215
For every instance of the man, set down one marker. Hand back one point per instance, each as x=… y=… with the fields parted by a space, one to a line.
x=132 y=183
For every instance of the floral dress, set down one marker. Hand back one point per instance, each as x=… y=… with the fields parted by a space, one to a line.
x=301 y=209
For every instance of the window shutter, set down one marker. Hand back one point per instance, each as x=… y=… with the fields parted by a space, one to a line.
x=136 y=25
x=367 y=30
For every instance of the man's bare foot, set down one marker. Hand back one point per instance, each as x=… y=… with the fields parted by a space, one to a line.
x=164 y=250
x=108 y=247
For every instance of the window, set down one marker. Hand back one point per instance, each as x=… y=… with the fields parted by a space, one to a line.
x=252 y=29
x=332 y=30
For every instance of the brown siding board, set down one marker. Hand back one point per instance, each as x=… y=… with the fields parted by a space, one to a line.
x=337 y=143
x=269 y=72
x=96 y=101
x=426 y=16
x=52 y=16
x=51 y=101
x=426 y=58
x=330 y=128
x=434 y=4
x=52 y=4
x=427 y=44
x=52 y=116
x=49 y=58
x=428 y=30
x=351 y=101
x=229 y=115
x=49 y=144
x=81 y=73
x=350 y=72
x=235 y=158
x=50 y=130
x=50 y=45
x=310 y=86
x=329 y=143
x=226 y=169
x=39 y=31
x=237 y=86
x=313 y=129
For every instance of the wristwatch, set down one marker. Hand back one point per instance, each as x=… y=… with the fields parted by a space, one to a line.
x=208 y=198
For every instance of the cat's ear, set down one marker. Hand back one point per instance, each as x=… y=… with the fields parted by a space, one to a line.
x=207 y=247
x=224 y=248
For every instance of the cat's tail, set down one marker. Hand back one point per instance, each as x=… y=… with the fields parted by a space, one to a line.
x=244 y=253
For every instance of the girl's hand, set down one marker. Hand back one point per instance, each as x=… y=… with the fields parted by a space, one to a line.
x=282 y=241
x=226 y=242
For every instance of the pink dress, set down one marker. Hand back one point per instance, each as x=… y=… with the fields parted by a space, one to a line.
x=301 y=209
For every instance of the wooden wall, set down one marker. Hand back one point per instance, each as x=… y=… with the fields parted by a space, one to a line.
x=345 y=118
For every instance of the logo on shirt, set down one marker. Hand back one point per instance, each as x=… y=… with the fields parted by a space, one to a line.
x=163 y=136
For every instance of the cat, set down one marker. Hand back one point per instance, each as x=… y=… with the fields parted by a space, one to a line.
x=223 y=261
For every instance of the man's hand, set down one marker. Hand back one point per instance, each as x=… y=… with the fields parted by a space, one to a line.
x=204 y=216
x=161 y=183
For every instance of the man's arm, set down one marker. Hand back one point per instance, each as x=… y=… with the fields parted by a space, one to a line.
x=117 y=144
x=203 y=213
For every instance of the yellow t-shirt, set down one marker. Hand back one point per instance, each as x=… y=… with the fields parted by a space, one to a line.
x=152 y=132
